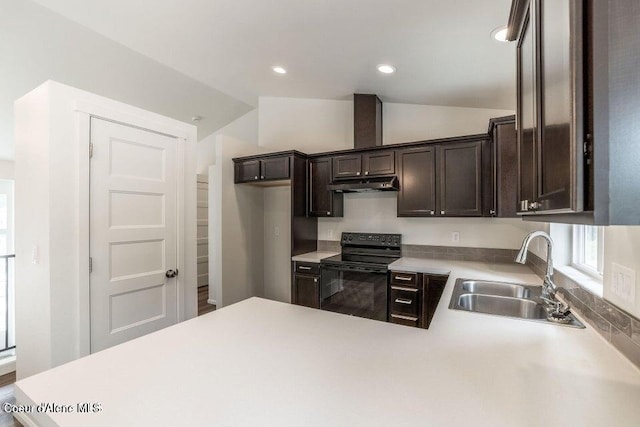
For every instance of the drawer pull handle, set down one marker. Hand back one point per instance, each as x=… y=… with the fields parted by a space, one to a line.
x=406 y=279
x=302 y=267
x=403 y=301
x=398 y=316
x=402 y=288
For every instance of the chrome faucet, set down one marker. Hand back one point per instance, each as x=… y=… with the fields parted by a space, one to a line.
x=548 y=287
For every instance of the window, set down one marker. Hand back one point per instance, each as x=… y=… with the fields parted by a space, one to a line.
x=588 y=249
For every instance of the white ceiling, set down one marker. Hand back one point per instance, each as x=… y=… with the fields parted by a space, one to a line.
x=441 y=48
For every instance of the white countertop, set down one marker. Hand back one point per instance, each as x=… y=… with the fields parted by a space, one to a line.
x=261 y=362
x=313 y=256
x=421 y=265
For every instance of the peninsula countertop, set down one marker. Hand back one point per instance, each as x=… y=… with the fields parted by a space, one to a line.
x=261 y=362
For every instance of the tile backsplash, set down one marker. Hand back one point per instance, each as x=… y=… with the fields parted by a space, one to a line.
x=618 y=327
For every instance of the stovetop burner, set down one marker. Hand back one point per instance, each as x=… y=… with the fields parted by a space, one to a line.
x=367 y=251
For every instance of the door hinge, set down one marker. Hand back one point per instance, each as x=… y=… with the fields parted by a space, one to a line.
x=90 y=265
x=90 y=149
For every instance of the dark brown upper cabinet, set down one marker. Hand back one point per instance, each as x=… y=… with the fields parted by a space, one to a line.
x=417 y=177
x=551 y=103
x=460 y=179
x=322 y=202
x=347 y=166
x=375 y=163
x=248 y=170
x=274 y=168
x=263 y=169
x=501 y=195
x=372 y=163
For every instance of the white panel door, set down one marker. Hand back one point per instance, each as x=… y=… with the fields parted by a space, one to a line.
x=133 y=233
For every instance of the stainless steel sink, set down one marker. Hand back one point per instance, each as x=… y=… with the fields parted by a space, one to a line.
x=502 y=306
x=512 y=300
x=496 y=288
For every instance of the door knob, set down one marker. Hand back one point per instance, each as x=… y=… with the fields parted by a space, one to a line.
x=171 y=273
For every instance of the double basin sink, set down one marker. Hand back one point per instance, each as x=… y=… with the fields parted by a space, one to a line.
x=504 y=299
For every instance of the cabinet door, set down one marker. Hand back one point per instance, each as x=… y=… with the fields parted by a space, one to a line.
x=247 y=171
x=557 y=151
x=379 y=163
x=306 y=291
x=322 y=202
x=526 y=114
x=347 y=166
x=460 y=179
x=416 y=175
x=505 y=156
x=275 y=168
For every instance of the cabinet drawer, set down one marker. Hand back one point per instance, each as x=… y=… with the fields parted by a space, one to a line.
x=403 y=320
x=404 y=301
x=404 y=279
x=307 y=268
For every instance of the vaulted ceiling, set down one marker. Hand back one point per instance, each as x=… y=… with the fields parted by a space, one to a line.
x=442 y=50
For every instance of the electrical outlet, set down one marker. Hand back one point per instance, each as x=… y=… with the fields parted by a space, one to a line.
x=623 y=283
x=276 y=231
x=455 y=237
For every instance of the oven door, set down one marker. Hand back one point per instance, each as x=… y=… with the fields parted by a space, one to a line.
x=355 y=291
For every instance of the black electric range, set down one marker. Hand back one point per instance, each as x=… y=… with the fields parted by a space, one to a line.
x=355 y=281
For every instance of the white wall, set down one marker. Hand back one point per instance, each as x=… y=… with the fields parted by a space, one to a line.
x=277 y=243
x=7 y=169
x=622 y=246
x=236 y=227
x=244 y=128
x=37 y=44
x=317 y=125
x=407 y=122
x=52 y=216
x=307 y=125
x=377 y=212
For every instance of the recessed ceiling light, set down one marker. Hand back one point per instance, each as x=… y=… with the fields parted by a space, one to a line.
x=386 y=69
x=278 y=69
x=499 y=34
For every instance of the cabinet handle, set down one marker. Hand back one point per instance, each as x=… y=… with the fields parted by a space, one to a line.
x=262 y=177
x=255 y=177
x=406 y=279
x=524 y=205
x=302 y=267
x=492 y=212
x=366 y=173
x=402 y=288
x=328 y=212
x=441 y=212
x=315 y=280
x=399 y=316
x=403 y=301
x=357 y=173
x=432 y=212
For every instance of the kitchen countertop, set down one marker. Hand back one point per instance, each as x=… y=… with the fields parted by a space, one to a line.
x=315 y=257
x=421 y=265
x=261 y=362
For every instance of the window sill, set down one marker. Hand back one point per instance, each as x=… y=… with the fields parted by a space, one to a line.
x=586 y=281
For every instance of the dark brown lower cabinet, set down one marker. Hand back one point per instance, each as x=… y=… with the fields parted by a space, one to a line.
x=305 y=287
x=414 y=297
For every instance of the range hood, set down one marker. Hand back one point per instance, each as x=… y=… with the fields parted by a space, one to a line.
x=383 y=183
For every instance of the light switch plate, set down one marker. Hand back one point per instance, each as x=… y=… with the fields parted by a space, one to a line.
x=455 y=237
x=623 y=283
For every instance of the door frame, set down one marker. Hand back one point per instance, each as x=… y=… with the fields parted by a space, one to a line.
x=186 y=216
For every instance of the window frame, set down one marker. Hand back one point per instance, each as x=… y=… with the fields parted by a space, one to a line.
x=578 y=251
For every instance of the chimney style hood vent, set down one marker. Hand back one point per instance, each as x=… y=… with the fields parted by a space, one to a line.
x=367 y=121
x=382 y=183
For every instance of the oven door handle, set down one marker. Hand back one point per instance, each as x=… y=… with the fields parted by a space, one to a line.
x=350 y=268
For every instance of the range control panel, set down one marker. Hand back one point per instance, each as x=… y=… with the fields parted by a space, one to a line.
x=371 y=239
